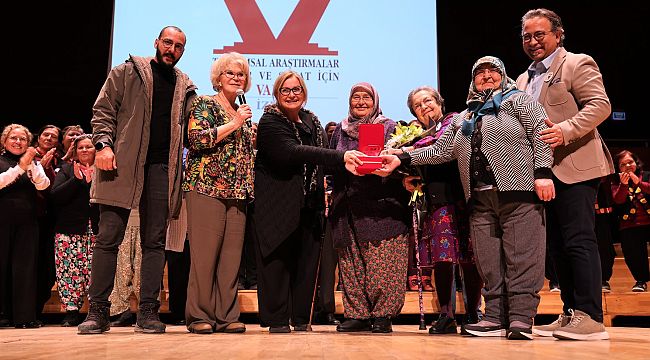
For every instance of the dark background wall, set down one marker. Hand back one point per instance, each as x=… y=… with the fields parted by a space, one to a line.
x=56 y=55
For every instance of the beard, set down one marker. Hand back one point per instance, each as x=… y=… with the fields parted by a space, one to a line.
x=161 y=60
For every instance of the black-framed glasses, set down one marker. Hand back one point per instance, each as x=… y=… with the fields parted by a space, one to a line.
x=169 y=43
x=231 y=75
x=537 y=35
x=295 y=90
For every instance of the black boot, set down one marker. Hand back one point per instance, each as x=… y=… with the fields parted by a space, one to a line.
x=354 y=325
x=444 y=325
x=148 y=320
x=382 y=325
x=71 y=318
x=97 y=320
x=125 y=319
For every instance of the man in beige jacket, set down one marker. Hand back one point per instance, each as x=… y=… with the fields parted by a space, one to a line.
x=570 y=87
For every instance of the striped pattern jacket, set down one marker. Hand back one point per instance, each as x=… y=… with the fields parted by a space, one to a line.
x=510 y=143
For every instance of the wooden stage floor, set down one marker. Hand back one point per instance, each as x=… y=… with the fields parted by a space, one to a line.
x=406 y=342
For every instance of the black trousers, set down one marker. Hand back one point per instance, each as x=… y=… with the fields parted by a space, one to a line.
x=178 y=272
x=153 y=210
x=604 y=234
x=286 y=277
x=634 y=243
x=45 y=270
x=572 y=242
x=248 y=265
x=18 y=257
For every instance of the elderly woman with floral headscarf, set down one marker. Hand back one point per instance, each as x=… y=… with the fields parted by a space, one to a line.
x=369 y=219
x=505 y=170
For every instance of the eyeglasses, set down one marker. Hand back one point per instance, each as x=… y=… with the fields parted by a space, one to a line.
x=231 y=75
x=358 y=98
x=428 y=102
x=17 y=138
x=295 y=90
x=538 y=36
x=489 y=70
x=169 y=43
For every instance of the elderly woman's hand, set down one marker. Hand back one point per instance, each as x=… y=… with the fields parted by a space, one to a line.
x=389 y=164
x=545 y=189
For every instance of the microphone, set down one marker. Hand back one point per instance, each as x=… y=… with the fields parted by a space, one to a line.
x=242 y=101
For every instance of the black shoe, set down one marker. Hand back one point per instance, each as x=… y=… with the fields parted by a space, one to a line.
x=97 y=321
x=71 y=318
x=300 y=327
x=382 y=325
x=179 y=322
x=125 y=319
x=28 y=325
x=330 y=319
x=148 y=321
x=253 y=287
x=240 y=286
x=640 y=286
x=444 y=325
x=4 y=322
x=282 y=329
x=353 y=325
x=471 y=318
x=515 y=333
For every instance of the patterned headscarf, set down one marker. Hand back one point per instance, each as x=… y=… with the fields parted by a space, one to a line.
x=350 y=125
x=487 y=101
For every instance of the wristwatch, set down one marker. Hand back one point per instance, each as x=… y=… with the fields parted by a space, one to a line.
x=102 y=144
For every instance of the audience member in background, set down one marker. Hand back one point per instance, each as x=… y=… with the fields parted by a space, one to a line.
x=606 y=223
x=248 y=267
x=177 y=255
x=289 y=204
x=505 y=171
x=70 y=132
x=329 y=130
x=138 y=133
x=218 y=185
x=369 y=218
x=127 y=274
x=75 y=227
x=417 y=122
x=48 y=138
x=445 y=229
x=20 y=178
x=631 y=192
x=570 y=87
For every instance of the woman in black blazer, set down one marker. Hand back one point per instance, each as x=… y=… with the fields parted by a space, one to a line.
x=290 y=200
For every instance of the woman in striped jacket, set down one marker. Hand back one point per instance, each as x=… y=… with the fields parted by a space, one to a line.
x=505 y=170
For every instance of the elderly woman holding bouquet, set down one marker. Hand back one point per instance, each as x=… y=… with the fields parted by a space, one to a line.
x=505 y=171
x=445 y=228
x=369 y=226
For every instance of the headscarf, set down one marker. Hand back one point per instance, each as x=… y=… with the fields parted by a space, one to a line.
x=350 y=125
x=480 y=103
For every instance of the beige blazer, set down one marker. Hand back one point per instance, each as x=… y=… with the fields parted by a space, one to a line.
x=574 y=97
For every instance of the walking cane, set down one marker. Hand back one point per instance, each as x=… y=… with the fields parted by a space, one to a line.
x=416 y=241
x=320 y=255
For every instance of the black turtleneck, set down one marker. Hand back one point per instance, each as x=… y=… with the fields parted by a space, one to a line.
x=164 y=81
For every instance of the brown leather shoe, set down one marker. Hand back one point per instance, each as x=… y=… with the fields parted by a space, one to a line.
x=200 y=328
x=236 y=327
